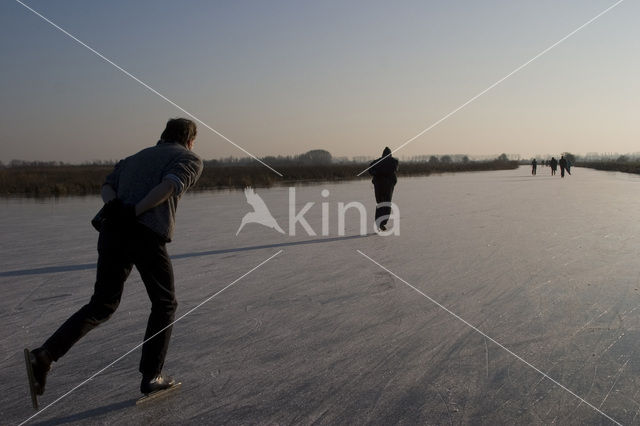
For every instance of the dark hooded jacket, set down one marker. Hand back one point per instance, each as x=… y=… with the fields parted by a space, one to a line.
x=563 y=162
x=385 y=170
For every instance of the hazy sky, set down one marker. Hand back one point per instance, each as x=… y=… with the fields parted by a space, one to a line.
x=283 y=77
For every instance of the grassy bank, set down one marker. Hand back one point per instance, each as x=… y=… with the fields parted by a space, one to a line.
x=48 y=181
x=612 y=166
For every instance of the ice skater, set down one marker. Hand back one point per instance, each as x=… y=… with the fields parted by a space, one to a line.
x=563 y=165
x=534 y=167
x=384 y=180
x=554 y=165
x=140 y=195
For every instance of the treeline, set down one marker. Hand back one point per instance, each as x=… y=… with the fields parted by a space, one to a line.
x=313 y=157
x=47 y=181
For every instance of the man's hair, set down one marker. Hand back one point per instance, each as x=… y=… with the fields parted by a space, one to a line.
x=179 y=130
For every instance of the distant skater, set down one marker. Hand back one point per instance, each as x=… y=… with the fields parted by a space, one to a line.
x=554 y=165
x=569 y=167
x=563 y=165
x=534 y=167
x=140 y=195
x=384 y=180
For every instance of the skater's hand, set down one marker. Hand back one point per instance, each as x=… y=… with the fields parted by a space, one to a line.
x=119 y=212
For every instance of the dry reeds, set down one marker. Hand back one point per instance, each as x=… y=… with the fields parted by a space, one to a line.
x=63 y=180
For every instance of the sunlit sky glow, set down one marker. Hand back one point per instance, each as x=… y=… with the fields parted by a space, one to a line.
x=284 y=77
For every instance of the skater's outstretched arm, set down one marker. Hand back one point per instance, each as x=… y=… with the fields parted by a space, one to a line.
x=158 y=195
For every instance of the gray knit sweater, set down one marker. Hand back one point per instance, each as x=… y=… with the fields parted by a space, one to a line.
x=133 y=178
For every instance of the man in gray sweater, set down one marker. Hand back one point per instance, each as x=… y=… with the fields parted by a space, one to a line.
x=137 y=220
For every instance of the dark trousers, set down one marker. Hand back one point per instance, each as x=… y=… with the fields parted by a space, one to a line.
x=561 y=171
x=384 y=191
x=118 y=251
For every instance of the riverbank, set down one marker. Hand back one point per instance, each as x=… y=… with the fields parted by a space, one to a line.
x=56 y=181
x=612 y=166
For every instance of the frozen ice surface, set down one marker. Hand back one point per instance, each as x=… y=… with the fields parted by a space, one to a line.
x=546 y=266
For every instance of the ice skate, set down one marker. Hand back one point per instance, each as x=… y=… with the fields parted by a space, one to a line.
x=38 y=364
x=157 y=386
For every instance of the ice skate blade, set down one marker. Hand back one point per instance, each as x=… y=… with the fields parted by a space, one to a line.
x=158 y=394
x=32 y=386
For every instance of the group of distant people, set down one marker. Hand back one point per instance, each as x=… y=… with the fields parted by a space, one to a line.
x=565 y=165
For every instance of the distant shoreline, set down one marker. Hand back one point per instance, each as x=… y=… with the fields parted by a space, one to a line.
x=61 y=181
x=612 y=166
